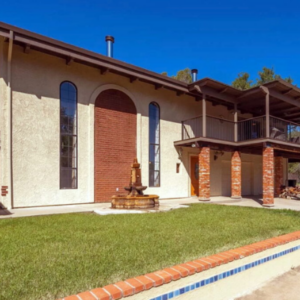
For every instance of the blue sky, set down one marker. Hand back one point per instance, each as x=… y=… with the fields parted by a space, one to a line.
x=218 y=37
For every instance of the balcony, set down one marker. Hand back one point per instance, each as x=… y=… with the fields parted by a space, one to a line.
x=241 y=131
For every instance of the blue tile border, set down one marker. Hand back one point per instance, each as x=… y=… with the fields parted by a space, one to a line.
x=199 y=284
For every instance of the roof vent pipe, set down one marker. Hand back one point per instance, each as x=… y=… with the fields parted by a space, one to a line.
x=194 y=74
x=109 y=45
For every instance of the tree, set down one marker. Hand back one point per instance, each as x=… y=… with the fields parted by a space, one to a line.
x=182 y=75
x=266 y=75
x=242 y=82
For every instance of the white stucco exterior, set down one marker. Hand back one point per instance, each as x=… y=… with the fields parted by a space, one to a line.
x=36 y=78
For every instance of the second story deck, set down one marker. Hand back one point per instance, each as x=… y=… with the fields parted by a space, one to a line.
x=274 y=107
x=245 y=130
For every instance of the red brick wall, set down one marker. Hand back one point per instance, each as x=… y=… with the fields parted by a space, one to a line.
x=204 y=173
x=278 y=174
x=236 y=177
x=115 y=143
x=268 y=176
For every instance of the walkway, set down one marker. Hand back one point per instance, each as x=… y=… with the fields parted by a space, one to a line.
x=284 y=287
x=165 y=205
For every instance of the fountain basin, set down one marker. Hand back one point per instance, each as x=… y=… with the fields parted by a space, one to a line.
x=138 y=202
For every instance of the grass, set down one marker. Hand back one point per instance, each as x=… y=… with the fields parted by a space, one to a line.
x=54 y=256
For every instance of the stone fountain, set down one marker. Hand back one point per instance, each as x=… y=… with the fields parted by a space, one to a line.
x=135 y=198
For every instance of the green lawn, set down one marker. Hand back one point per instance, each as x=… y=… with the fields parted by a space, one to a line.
x=54 y=256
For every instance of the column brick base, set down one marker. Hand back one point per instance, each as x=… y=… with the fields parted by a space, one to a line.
x=204 y=174
x=236 y=175
x=268 y=177
x=278 y=174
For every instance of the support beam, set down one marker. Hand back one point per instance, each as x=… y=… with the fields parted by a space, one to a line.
x=179 y=93
x=69 y=61
x=267 y=112
x=133 y=79
x=213 y=93
x=287 y=91
x=204 y=174
x=103 y=70
x=236 y=175
x=27 y=49
x=280 y=96
x=268 y=177
x=158 y=86
x=204 y=115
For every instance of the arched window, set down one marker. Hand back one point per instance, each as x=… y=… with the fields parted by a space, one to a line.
x=154 y=145
x=68 y=136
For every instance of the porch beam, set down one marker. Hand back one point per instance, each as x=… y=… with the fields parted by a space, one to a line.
x=204 y=115
x=267 y=112
x=292 y=115
x=212 y=93
x=281 y=96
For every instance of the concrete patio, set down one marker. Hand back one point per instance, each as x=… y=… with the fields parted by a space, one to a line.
x=165 y=205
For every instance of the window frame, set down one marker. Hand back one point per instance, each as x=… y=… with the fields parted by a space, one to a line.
x=150 y=144
x=60 y=137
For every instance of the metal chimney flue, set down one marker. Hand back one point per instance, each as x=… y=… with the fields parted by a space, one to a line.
x=109 y=45
x=194 y=74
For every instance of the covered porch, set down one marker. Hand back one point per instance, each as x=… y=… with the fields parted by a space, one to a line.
x=263 y=121
x=259 y=170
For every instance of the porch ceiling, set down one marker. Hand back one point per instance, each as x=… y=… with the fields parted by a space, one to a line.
x=284 y=97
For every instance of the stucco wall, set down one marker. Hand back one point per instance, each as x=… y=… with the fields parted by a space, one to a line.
x=36 y=78
x=4 y=123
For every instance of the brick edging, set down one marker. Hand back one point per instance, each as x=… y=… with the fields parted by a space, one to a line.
x=138 y=284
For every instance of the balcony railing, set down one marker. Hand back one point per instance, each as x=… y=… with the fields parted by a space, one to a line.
x=220 y=129
x=250 y=129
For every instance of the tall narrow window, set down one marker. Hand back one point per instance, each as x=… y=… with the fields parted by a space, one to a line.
x=68 y=136
x=154 y=145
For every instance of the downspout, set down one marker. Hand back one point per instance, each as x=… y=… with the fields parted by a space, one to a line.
x=9 y=114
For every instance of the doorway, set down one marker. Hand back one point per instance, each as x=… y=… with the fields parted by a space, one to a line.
x=194 y=175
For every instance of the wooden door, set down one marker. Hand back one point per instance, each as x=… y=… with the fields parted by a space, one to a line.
x=194 y=175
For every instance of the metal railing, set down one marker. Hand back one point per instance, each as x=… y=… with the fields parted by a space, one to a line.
x=220 y=129
x=250 y=129
x=284 y=130
x=192 y=128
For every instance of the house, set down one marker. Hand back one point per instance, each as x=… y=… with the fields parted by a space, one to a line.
x=72 y=121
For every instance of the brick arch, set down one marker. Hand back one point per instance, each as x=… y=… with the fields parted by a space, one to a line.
x=114 y=144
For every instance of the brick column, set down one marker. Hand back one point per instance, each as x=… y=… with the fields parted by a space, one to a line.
x=268 y=176
x=236 y=175
x=204 y=174
x=278 y=174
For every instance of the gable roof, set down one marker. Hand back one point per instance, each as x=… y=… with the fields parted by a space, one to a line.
x=217 y=91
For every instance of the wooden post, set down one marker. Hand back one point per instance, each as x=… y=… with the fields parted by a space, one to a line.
x=204 y=116
x=267 y=114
